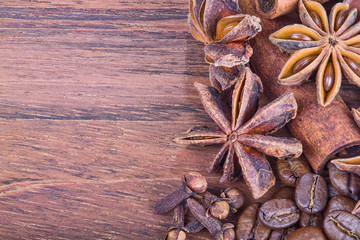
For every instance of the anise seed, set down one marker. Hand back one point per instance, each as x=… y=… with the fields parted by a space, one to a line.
x=230 y=70
x=354 y=65
x=209 y=59
x=316 y=17
x=329 y=77
x=229 y=27
x=303 y=63
x=300 y=37
x=340 y=19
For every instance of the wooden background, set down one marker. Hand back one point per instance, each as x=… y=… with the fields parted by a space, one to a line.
x=92 y=93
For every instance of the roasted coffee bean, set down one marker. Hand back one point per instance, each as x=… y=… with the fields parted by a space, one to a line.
x=332 y=192
x=342 y=225
x=308 y=233
x=344 y=182
x=281 y=234
x=261 y=231
x=315 y=220
x=285 y=192
x=311 y=193
x=279 y=213
x=290 y=171
x=339 y=179
x=246 y=222
x=354 y=184
x=341 y=202
x=303 y=63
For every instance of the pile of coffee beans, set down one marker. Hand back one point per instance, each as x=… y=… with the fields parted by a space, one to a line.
x=311 y=206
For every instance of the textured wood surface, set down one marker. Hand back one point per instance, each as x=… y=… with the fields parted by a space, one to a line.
x=91 y=95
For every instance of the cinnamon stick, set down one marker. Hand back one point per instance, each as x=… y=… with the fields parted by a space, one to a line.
x=274 y=8
x=323 y=131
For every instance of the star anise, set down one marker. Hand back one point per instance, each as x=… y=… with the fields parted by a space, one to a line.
x=243 y=132
x=356 y=114
x=225 y=31
x=329 y=44
x=348 y=164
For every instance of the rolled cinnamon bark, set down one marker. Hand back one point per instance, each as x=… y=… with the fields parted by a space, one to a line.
x=323 y=131
x=275 y=8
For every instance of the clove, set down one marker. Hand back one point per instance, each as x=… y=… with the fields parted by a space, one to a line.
x=176 y=231
x=235 y=197
x=193 y=226
x=217 y=207
x=218 y=230
x=193 y=183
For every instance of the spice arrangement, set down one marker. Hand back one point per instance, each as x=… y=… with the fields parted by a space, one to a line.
x=322 y=192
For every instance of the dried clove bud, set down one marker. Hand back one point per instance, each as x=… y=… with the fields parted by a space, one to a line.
x=175 y=231
x=176 y=234
x=193 y=183
x=215 y=227
x=235 y=196
x=217 y=207
x=193 y=226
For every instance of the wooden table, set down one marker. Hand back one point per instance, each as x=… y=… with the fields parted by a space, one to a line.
x=91 y=95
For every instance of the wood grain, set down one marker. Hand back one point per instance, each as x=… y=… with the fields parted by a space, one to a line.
x=91 y=95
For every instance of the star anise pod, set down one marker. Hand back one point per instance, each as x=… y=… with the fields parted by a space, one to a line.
x=348 y=164
x=244 y=132
x=356 y=114
x=329 y=44
x=225 y=31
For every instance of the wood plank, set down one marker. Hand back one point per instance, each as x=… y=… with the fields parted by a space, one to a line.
x=91 y=95
x=69 y=63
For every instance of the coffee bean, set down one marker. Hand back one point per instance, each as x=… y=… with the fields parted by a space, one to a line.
x=342 y=225
x=261 y=231
x=279 y=213
x=339 y=179
x=332 y=192
x=246 y=222
x=289 y=171
x=315 y=220
x=285 y=192
x=344 y=182
x=311 y=193
x=308 y=233
x=281 y=234
x=354 y=185
x=341 y=202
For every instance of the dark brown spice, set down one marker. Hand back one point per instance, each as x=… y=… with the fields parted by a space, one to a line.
x=193 y=183
x=241 y=132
